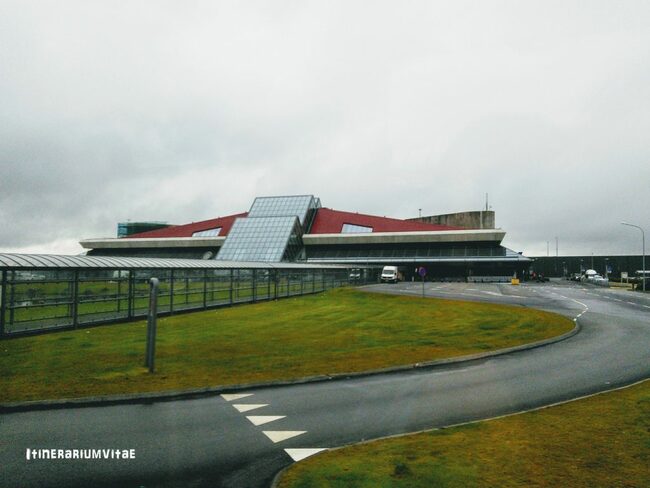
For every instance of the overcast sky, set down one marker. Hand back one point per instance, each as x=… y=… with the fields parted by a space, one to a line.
x=183 y=111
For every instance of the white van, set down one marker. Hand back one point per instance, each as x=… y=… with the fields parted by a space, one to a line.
x=390 y=274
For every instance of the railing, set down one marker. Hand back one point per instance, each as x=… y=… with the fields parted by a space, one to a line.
x=33 y=301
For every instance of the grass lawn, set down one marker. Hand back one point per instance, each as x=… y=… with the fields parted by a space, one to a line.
x=339 y=331
x=599 y=441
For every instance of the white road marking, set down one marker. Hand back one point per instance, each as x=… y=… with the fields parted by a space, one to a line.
x=246 y=407
x=235 y=396
x=631 y=303
x=646 y=306
x=491 y=293
x=264 y=419
x=300 y=454
x=581 y=313
x=282 y=435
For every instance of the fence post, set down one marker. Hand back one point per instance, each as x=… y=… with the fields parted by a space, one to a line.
x=151 y=324
x=3 y=302
x=131 y=293
x=254 y=284
x=119 y=292
x=75 y=299
x=231 y=285
x=171 y=292
x=11 y=298
x=205 y=288
x=276 y=273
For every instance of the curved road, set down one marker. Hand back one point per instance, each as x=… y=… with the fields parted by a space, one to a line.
x=244 y=442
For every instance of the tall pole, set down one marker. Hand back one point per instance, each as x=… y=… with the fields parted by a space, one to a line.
x=643 y=248
x=151 y=324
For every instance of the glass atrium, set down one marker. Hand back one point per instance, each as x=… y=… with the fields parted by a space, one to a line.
x=272 y=231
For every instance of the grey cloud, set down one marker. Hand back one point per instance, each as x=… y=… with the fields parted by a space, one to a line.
x=186 y=111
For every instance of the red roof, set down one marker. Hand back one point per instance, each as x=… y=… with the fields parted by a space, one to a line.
x=188 y=229
x=328 y=221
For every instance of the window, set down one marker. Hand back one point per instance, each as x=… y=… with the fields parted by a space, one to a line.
x=355 y=229
x=207 y=233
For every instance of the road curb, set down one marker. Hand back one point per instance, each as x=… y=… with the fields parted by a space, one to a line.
x=144 y=398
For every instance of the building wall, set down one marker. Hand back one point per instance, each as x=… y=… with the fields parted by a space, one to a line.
x=555 y=267
x=480 y=219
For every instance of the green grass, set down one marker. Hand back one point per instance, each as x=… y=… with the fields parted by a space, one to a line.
x=339 y=331
x=602 y=441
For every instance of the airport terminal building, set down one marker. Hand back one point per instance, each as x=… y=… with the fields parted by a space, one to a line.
x=299 y=229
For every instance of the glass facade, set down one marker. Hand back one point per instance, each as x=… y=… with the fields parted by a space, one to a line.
x=270 y=239
x=272 y=231
x=129 y=228
x=298 y=205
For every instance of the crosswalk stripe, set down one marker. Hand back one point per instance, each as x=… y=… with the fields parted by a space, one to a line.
x=264 y=419
x=242 y=407
x=300 y=454
x=235 y=396
x=282 y=435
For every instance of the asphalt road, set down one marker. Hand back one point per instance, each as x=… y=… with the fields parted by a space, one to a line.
x=214 y=441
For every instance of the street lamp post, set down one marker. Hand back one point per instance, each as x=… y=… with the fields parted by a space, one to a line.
x=643 y=244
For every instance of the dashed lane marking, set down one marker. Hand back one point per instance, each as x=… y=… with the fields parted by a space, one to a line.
x=300 y=454
x=235 y=396
x=243 y=407
x=264 y=419
x=282 y=435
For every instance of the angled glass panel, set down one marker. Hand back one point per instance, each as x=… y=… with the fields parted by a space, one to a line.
x=261 y=239
x=286 y=206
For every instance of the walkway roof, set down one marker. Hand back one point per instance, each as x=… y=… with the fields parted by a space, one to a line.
x=50 y=261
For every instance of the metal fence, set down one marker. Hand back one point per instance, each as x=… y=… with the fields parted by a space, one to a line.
x=37 y=300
